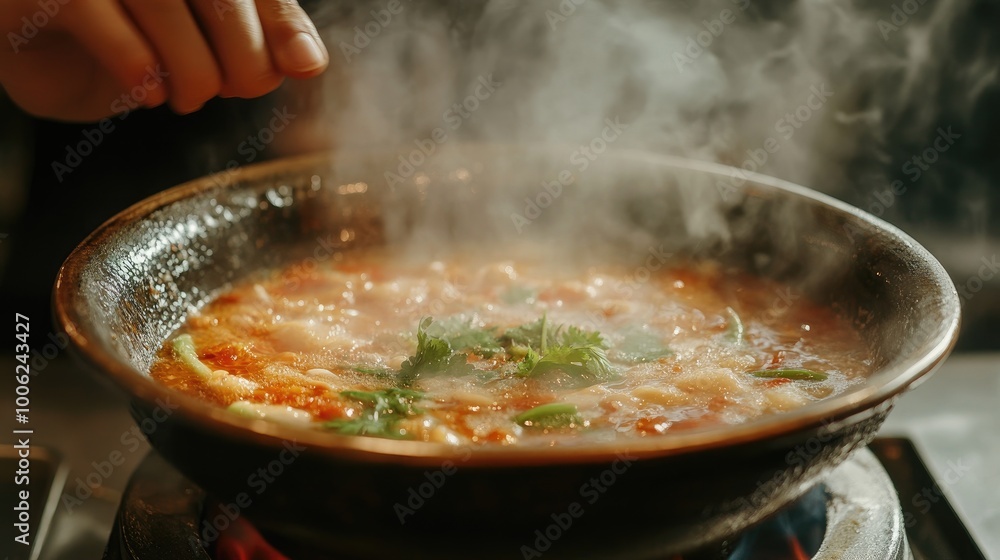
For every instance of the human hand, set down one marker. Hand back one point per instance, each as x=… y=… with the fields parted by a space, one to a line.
x=82 y=60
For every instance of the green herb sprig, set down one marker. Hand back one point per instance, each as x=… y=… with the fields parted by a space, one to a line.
x=461 y=335
x=383 y=411
x=547 y=347
x=434 y=355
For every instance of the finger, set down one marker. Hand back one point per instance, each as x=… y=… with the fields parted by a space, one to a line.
x=292 y=39
x=67 y=84
x=194 y=76
x=106 y=31
x=234 y=32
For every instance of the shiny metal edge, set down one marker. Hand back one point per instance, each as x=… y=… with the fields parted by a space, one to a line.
x=864 y=516
x=854 y=404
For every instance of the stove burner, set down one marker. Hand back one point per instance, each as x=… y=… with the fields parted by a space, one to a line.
x=854 y=514
x=240 y=540
x=864 y=518
x=795 y=533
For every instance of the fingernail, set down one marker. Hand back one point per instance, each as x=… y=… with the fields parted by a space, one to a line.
x=155 y=98
x=188 y=110
x=153 y=103
x=302 y=54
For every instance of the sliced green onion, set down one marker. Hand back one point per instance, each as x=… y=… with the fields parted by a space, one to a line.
x=795 y=373
x=549 y=415
x=184 y=348
x=734 y=332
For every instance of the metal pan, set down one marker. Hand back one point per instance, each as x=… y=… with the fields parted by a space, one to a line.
x=132 y=282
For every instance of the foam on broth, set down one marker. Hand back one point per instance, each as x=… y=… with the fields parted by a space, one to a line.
x=333 y=346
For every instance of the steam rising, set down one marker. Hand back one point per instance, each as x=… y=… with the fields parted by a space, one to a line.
x=825 y=93
x=566 y=66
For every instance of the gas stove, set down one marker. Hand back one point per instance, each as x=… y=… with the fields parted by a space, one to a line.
x=925 y=489
x=854 y=513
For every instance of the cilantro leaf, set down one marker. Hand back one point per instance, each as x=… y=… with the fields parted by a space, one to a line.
x=537 y=335
x=392 y=400
x=531 y=359
x=433 y=356
x=383 y=411
x=575 y=336
x=462 y=335
x=589 y=363
x=547 y=347
x=542 y=333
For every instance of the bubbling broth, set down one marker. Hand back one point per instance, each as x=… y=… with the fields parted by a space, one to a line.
x=475 y=350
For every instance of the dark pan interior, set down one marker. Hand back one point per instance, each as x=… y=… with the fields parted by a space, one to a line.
x=146 y=275
x=133 y=282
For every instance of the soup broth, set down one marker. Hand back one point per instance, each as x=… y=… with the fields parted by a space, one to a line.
x=473 y=350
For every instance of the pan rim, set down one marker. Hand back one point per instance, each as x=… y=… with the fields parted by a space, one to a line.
x=829 y=415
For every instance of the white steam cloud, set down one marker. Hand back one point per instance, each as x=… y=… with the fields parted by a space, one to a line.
x=726 y=80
